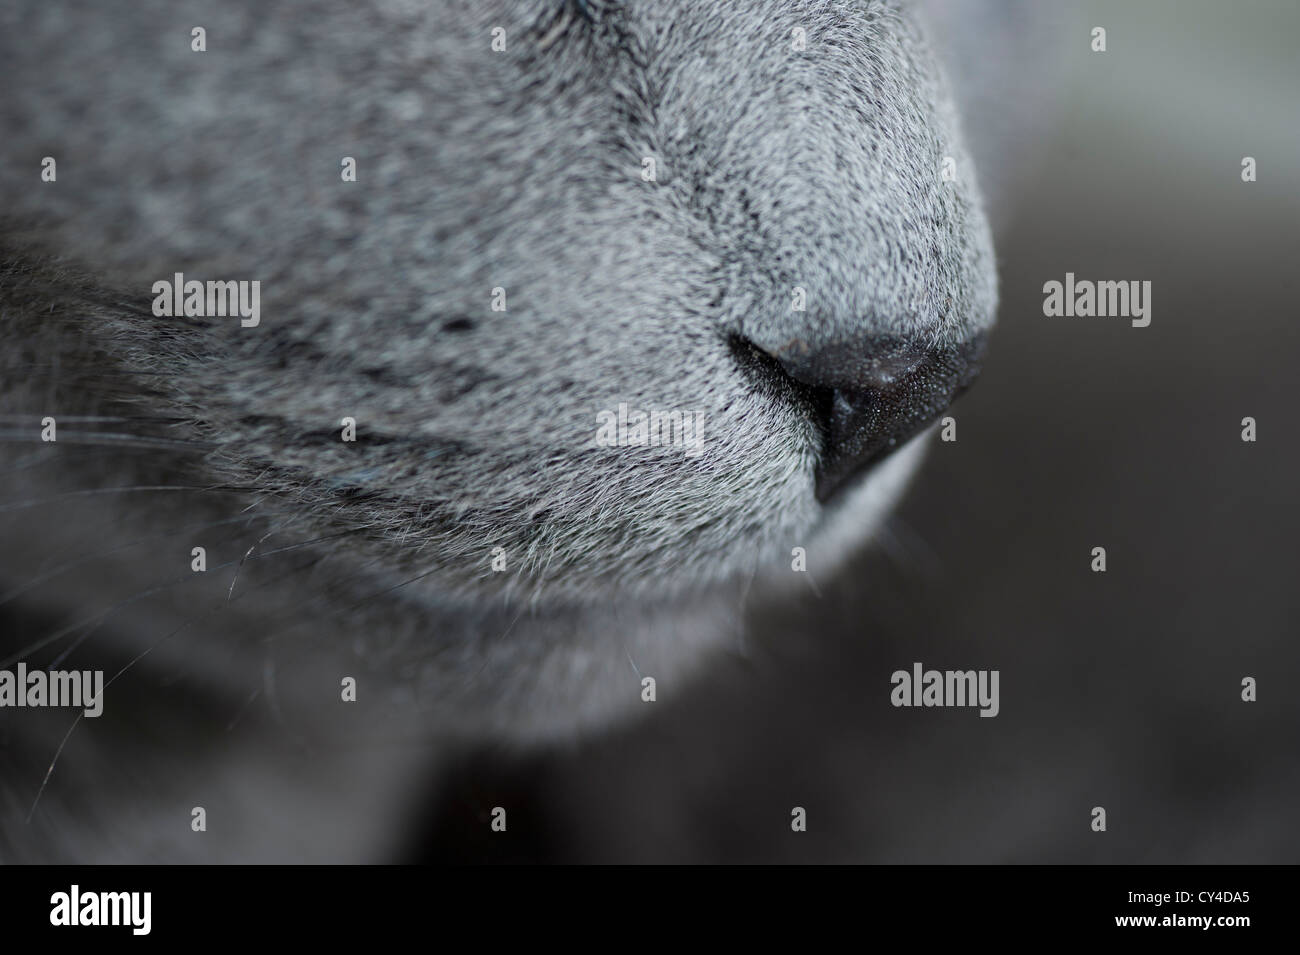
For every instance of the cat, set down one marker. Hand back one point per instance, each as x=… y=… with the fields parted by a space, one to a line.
x=480 y=233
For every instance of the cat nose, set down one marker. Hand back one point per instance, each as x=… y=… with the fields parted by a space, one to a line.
x=875 y=394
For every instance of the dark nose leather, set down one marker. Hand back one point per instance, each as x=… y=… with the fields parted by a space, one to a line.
x=874 y=395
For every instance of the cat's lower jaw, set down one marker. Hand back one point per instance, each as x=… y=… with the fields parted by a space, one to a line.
x=535 y=674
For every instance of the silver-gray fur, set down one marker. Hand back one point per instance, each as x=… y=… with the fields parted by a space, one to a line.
x=521 y=170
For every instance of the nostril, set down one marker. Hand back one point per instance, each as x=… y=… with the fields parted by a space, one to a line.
x=888 y=406
x=851 y=365
x=869 y=397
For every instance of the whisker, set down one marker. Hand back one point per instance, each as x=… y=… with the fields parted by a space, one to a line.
x=115 y=440
x=87 y=419
x=622 y=635
x=739 y=622
x=813 y=584
x=243 y=709
x=104 y=372
x=240 y=566
x=296 y=619
x=125 y=489
x=50 y=772
x=111 y=680
x=271 y=553
x=486 y=657
x=69 y=565
x=45 y=455
x=286 y=549
x=221 y=605
x=99 y=618
x=95 y=619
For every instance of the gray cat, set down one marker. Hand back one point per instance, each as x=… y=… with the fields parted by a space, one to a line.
x=576 y=324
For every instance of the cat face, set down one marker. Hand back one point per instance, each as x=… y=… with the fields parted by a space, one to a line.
x=622 y=295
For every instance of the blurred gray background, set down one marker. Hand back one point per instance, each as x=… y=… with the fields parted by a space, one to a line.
x=1119 y=689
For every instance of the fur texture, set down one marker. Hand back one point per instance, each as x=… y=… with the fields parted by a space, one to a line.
x=476 y=170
